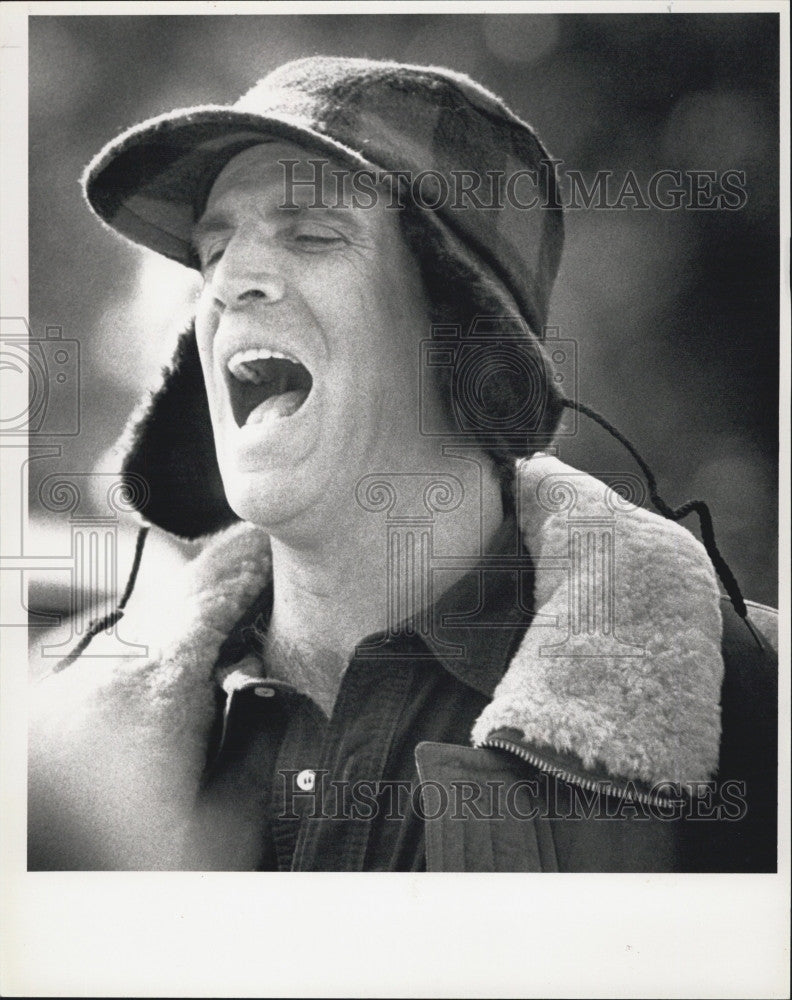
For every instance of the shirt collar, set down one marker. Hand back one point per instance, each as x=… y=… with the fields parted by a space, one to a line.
x=479 y=621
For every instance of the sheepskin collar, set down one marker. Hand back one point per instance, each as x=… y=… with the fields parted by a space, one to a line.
x=621 y=668
x=618 y=676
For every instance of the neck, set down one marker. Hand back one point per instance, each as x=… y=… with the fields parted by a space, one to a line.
x=332 y=593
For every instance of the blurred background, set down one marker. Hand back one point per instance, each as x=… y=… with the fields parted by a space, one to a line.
x=675 y=313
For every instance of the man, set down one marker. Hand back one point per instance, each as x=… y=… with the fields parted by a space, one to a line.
x=397 y=570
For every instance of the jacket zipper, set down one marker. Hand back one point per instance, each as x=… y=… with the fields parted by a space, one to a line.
x=588 y=784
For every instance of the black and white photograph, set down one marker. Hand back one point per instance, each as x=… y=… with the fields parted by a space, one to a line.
x=395 y=449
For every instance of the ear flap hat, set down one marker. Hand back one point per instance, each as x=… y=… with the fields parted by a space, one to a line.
x=444 y=133
x=418 y=124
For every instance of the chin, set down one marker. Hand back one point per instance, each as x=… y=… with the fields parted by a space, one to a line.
x=272 y=501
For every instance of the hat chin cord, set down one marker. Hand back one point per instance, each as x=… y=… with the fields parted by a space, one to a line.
x=98 y=625
x=722 y=568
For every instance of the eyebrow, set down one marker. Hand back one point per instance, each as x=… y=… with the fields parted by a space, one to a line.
x=221 y=223
x=208 y=227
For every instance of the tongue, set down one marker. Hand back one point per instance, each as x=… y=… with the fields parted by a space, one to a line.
x=274 y=407
x=269 y=389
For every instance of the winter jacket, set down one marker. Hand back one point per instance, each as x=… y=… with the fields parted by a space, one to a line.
x=634 y=729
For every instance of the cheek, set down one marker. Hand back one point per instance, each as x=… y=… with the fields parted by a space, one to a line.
x=403 y=324
x=205 y=328
x=380 y=318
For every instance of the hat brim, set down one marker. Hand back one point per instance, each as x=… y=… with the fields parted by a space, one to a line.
x=150 y=184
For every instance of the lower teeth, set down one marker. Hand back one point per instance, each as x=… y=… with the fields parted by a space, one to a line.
x=277 y=407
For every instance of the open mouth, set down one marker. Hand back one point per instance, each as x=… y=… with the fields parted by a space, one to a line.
x=266 y=385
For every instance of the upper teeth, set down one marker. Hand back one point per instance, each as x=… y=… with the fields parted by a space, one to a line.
x=238 y=363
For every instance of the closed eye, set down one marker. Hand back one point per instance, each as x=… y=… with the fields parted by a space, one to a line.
x=211 y=258
x=209 y=254
x=307 y=236
x=315 y=237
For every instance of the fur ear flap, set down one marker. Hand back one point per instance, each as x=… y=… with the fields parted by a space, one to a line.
x=168 y=443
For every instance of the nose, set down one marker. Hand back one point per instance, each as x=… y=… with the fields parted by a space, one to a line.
x=247 y=272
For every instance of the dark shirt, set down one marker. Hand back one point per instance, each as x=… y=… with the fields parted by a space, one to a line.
x=341 y=794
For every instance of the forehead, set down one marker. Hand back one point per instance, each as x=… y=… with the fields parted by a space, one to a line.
x=282 y=175
x=261 y=166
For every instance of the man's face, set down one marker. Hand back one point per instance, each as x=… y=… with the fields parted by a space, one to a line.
x=308 y=327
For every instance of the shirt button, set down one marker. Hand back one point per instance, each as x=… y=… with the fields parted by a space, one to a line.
x=264 y=692
x=306 y=780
